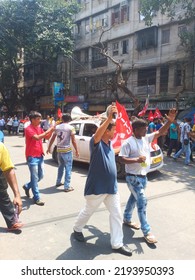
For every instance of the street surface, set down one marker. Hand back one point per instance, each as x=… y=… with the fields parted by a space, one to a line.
x=47 y=234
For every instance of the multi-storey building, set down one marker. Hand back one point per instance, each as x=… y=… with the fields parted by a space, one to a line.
x=153 y=59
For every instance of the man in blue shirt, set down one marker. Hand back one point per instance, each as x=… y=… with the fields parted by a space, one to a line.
x=101 y=185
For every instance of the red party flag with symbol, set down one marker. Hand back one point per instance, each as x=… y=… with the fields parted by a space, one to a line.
x=157 y=114
x=123 y=126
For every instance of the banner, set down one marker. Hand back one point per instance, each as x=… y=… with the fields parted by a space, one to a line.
x=58 y=92
x=123 y=127
x=143 y=111
x=157 y=114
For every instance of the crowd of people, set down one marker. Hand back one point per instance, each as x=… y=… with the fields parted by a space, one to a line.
x=11 y=124
x=134 y=153
x=177 y=140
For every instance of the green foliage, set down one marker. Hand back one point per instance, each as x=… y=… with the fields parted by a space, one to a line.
x=172 y=8
x=43 y=28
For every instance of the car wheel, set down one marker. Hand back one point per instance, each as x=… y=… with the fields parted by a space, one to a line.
x=54 y=154
x=120 y=168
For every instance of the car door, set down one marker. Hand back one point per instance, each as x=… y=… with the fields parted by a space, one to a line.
x=88 y=129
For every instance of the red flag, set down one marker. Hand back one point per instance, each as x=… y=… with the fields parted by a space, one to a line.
x=157 y=114
x=123 y=126
x=59 y=113
x=150 y=116
x=143 y=111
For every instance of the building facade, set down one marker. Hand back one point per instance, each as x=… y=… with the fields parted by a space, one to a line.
x=154 y=60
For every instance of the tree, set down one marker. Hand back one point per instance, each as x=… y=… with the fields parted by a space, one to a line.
x=42 y=28
x=118 y=81
x=172 y=8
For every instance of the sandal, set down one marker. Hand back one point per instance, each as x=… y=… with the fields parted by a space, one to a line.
x=68 y=190
x=150 y=238
x=131 y=225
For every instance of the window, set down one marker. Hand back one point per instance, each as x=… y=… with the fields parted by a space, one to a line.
x=125 y=46
x=178 y=76
x=124 y=13
x=115 y=48
x=98 y=84
x=89 y=129
x=165 y=36
x=116 y=16
x=146 y=77
x=86 y=55
x=87 y=26
x=99 y=21
x=164 y=77
x=77 y=127
x=78 y=31
x=147 y=38
x=98 y=60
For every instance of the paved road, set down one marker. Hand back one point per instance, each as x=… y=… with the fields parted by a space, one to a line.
x=47 y=234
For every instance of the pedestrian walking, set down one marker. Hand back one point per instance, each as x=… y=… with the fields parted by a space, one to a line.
x=9 y=124
x=15 y=125
x=173 y=136
x=35 y=155
x=10 y=210
x=101 y=185
x=135 y=154
x=2 y=123
x=65 y=133
x=185 y=141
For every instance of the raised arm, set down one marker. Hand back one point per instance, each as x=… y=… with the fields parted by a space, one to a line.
x=100 y=131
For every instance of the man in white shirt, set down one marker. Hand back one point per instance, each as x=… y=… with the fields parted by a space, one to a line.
x=135 y=153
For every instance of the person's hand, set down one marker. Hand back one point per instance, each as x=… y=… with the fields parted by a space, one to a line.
x=141 y=159
x=77 y=154
x=171 y=115
x=112 y=110
x=17 y=201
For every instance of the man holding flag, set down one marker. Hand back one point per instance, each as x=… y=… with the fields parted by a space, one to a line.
x=101 y=185
x=135 y=154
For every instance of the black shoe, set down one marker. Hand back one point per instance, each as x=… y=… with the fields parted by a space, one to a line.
x=124 y=250
x=39 y=202
x=79 y=236
x=58 y=185
x=27 y=191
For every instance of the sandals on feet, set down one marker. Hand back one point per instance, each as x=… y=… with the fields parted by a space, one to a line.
x=150 y=238
x=69 y=189
x=132 y=225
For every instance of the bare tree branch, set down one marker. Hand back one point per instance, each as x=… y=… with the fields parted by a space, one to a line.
x=121 y=83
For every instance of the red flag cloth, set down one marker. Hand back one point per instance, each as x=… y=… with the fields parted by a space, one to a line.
x=123 y=127
x=143 y=111
x=157 y=114
x=150 y=116
x=154 y=144
x=59 y=113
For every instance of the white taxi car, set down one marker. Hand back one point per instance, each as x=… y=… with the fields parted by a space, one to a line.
x=84 y=131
